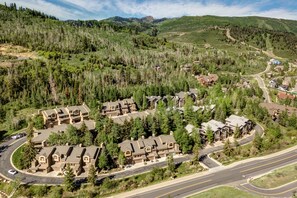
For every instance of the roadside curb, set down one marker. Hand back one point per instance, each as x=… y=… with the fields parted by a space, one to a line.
x=217 y=162
x=261 y=175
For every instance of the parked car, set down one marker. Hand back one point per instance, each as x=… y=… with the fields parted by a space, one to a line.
x=16 y=136
x=3 y=148
x=128 y=166
x=12 y=172
x=22 y=134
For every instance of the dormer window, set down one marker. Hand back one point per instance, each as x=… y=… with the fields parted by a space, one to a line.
x=170 y=145
x=42 y=159
x=128 y=153
x=148 y=149
x=86 y=159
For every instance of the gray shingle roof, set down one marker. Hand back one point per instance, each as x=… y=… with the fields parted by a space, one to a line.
x=213 y=124
x=235 y=120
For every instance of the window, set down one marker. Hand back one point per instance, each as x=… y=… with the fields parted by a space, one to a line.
x=86 y=159
x=42 y=159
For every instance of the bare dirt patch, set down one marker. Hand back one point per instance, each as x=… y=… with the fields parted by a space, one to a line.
x=17 y=51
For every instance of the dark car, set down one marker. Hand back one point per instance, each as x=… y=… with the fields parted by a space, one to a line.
x=80 y=181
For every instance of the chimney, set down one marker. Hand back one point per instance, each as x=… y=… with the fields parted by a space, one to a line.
x=132 y=139
x=142 y=137
x=171 y=132
x=154 y=135
x=80 y=145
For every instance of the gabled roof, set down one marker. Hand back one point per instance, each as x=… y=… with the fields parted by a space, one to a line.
x=46 y=151
x=75 y=155
x=234 y=120
x=62 y=150
x=213 y=125
x=92 y=151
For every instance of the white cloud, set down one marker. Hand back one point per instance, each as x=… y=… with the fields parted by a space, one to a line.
x=278 y=13
x=47 y=7
x=87 y=9
x=160 y=9
x=90 y=5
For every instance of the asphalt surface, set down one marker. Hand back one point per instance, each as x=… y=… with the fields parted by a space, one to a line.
x=208 y=162
x=237 y=174
x=26 y=178
x=285 y=191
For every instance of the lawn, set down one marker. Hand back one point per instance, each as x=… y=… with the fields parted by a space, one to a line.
x=224 y=192
x=16 y=157
x=277 y=177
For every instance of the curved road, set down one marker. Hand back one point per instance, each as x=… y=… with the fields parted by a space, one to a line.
x=232 y=174
x=5 y=163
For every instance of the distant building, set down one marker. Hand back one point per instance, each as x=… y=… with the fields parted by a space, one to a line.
x=56 y=158
x=65 y=115
x=40 y=136
x=282 y=95
x=274 y=62
x=129 y=116
x=273 y=83
x=152 y=148
x=117 y=108
x=208 y=80
x=219 y=129
x=245 y=125
x=275 y=109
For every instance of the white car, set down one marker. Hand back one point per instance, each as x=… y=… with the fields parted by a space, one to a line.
x=16 y=136
x=12 y=172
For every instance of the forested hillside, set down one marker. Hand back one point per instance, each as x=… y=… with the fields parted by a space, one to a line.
x=94 y=62
x=277 y=35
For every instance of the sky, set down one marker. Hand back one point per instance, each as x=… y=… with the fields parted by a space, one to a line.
x=101 y=9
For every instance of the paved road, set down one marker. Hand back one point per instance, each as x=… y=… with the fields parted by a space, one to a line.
x=262 y=85
x=33 y=179
x=236 y=174
x=210 y=163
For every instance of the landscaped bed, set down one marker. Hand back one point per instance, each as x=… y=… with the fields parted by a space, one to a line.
x=277 y=177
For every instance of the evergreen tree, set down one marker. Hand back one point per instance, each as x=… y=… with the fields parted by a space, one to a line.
x=210 y=135
x=29 y=154
x=103 y=160
x=121 y=158
x=188 y=110
x=228 y=150
x=92 y=175
x=69 y=178
x=144 y=102
x=195 y=159
x=83 y=129
x=72 y=135
x=30 y=131
x=88 y=138
x=170 y=163
x=165 y=129
x=237 y=132
x=257 y=142
x=196 y=137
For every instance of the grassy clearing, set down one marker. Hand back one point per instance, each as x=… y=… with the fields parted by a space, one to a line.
x=17 y=156
x=224 y=192
x=6 y=187
x=277 y=178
